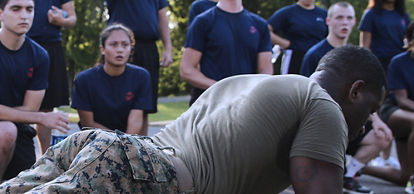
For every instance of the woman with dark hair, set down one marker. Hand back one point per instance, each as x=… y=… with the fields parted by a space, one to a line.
x=302 y=25
x=382 y=28
x=113 y=94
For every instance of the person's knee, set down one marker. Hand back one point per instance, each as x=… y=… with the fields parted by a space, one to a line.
x=8 y=136
x=383 y=143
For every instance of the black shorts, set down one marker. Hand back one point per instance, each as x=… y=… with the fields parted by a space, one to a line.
x=146 y=56
x=195 y=93
x=57 y=93
x=296 y=61
x=386 y=110
x=24 y=155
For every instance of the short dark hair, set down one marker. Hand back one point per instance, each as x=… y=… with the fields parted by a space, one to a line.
x=349 y=63
x=3 y=3
x=409 y=32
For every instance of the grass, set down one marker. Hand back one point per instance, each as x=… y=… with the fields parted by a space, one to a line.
x=166 y=111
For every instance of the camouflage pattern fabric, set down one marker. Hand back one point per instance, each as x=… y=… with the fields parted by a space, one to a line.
x=98 y=161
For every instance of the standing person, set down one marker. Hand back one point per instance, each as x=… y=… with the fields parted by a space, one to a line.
x=114 y=94
x=23 y=80
x=50 y=17
x=302 y=25
x=148 y=20
x=398 y=113
x=340 y=21
x=382 y=28
x=256 y=137
x=226 y=40
x=199 y=6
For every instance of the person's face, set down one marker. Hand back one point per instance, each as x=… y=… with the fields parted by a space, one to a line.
x=341 y=21
x=117 y=48
x=17 y=16
x=358 y=111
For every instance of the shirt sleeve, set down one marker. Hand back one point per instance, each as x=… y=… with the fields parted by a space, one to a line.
x=322 y=133
x=278 y=20
x=143 y=100
x=197 y=34
x=367 y=21
x=40 y=72
x=80 y=97
x=193 y=13
x=395 y=80
x=162 y=4
x=309 y=64
x=265 y=42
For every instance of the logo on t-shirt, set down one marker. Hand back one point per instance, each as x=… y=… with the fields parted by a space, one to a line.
x=253 y=30
x=319 y=19
x=30 y=73
x=129 y=96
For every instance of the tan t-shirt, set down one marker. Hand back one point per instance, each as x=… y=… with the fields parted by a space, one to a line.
x=239 y=135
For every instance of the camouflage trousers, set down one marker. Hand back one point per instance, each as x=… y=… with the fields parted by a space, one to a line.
x=98 y=162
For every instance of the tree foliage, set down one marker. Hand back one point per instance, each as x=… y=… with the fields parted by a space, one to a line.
x=82 y=46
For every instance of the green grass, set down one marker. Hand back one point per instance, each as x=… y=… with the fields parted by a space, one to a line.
x=166 y=111
x=169 y=111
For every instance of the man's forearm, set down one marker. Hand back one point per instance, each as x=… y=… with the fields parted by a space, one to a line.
x=19 y=115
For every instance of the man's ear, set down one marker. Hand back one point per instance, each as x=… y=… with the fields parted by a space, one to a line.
x=355 y=90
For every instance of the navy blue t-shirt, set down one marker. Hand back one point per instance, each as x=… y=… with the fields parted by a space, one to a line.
x=312 y=57
x=42 y=30
x=110 y=99
x=198 y=7
x=230 y=42
x=303 y=28
x=387 y=31
x=400 y=75
x=24 y=69
x=141 y=16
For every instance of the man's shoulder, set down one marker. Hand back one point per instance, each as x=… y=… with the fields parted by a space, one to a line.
x=322 y=47
x=256 y=18
x=38 y=50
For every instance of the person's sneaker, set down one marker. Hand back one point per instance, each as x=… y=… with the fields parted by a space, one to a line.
x=392 y=162
x=352 y=186
x=409 y=188
x=378 y=161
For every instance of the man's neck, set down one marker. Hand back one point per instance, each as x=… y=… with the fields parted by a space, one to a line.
x=10 y=40
x=114 y=71
x=306 y=6
x=232 y=6
x=336 y=42
x=389 y=6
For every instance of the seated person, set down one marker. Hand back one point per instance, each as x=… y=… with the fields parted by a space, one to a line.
x=245 y=134
x=398 y=113
x=113 y=94
x=24 y=67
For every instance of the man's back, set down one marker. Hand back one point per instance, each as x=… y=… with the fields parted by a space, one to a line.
x=255 y=123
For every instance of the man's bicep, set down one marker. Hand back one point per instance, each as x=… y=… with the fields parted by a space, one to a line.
x=32 y=100
x=322 y=133
x=315 y=176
